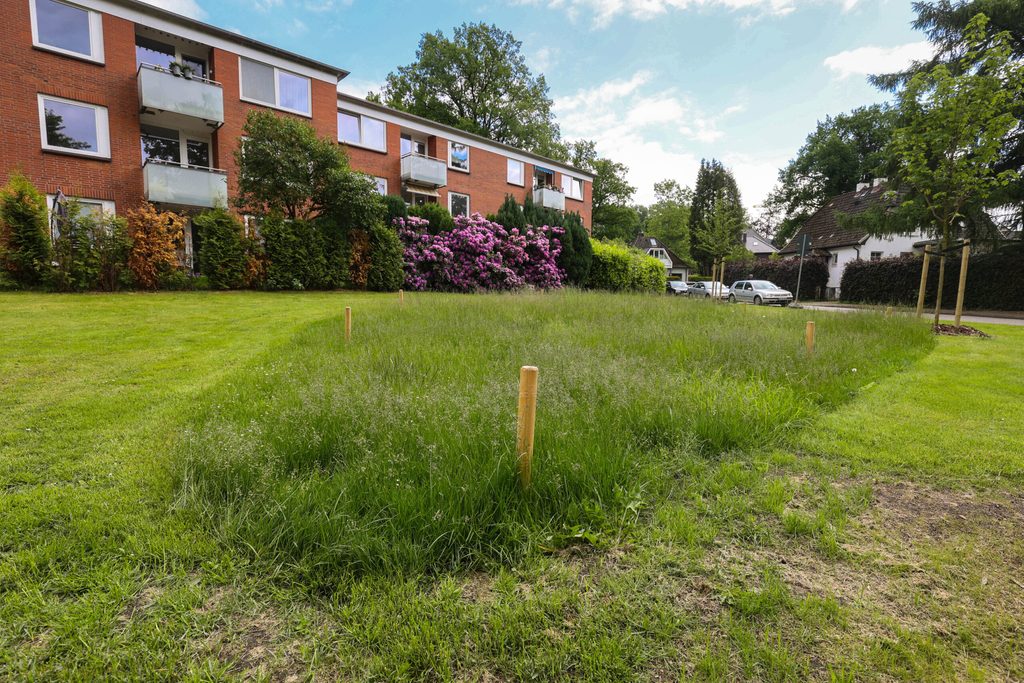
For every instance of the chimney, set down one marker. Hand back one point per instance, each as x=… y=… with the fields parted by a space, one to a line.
x=879 y=181
x=863 y=186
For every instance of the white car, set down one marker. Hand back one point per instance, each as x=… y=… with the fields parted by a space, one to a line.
x=759 y=292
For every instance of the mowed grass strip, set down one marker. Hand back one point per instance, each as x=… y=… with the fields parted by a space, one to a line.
x=394 y=452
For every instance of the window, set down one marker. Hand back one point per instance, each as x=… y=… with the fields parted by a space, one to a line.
x=876 y=256
x=356 y=129
x=835 y=259
x=74 y=127
x=149 y=51
x=266 y=84
x=163 y=144
x=68 y=29
x=382 y=185
x=572 y=187
x=411 y=145
x=515 y=172
x=458 y=156
x=542 y=177
x=93 y=208
x=198 y=153
x=458 y=204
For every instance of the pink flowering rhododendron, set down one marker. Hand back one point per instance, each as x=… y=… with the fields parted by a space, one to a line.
x=479 y=255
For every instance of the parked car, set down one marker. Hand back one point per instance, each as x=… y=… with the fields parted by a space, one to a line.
x=759 y=292
x=677 y=287
x=705 y=290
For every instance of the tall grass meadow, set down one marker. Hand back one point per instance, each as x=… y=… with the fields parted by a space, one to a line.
x=394 y=453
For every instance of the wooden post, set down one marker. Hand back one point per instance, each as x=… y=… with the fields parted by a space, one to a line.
x=526 y=422
x=888 y=311
x=924 y=282
x=809 y=337
x=941 y=284
x=401 y=296
x=964 y=258
x=348 y=323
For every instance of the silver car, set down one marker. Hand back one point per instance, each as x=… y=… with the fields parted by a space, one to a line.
x=677 y=287
x=759 y=292
x=705 y=290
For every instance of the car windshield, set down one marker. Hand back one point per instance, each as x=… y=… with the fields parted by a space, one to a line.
x=763 y=284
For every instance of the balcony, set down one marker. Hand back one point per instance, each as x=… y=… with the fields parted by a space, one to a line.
x=170 y=183
x=424 y=170
x=195 y=97
x=549 y=197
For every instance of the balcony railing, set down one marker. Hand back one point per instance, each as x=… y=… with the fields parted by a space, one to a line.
x=424 y=170
x=162 y=91
x=171 y=183
x=549 y=197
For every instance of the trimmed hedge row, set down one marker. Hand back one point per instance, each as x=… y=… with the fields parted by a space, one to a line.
x=995 y=282
x=622 y=269
x=784 y=273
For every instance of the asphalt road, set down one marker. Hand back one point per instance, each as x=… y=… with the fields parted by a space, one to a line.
x=944 y=318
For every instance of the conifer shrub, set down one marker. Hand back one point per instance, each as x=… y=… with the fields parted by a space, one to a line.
x=295 y=254
x=438 y=218
x=386 y=272
x=156 y=237
x=222 y=253
x=25 y=253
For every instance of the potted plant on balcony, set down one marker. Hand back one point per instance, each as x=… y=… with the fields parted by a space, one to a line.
x=182 y=70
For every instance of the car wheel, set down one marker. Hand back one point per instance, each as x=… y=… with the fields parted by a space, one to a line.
x=757 y=301
x=732 y=298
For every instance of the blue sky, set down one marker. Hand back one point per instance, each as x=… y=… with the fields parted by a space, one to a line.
x=658 y=83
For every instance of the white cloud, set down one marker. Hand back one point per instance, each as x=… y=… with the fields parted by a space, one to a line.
x=296 y=27
x=602 y=12
x=656 y=133
x=358 y=87
x=188 y=8
x=542 y=59
x=872 y=59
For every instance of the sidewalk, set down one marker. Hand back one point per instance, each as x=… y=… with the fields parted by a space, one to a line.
x=993 y=317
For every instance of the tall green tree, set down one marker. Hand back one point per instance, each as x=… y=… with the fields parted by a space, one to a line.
x=285 y=168
x=668 y=218
x=715 y=184
x=611 y=195
x=946 y=23
x=953 y=124
x=477 y=81
x=843 y=150
x=718 y=235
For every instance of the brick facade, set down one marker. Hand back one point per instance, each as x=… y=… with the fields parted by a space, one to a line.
x=28 y=71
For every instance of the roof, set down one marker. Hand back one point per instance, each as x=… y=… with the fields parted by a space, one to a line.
x=768 y=247
x=646 y=242
x=824 y=228
x=353 y=99
x=231 y=36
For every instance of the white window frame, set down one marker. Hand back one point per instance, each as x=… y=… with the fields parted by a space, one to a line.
x=276 y=104
x=468 y=155
x=95 y=34
x=107 y=207
x=469 y=211
x=382 y=183
x=359 y=117
x=569 y=183
x=102 y=128
x=522 y=172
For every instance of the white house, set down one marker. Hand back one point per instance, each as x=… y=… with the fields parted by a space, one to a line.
x=757 y=244
x=841 y=244
x=674 y=266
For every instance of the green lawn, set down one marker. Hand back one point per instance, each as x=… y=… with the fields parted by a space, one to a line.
x=827 y=528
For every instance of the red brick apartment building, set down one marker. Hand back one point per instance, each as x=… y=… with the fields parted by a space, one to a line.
x=116 y=101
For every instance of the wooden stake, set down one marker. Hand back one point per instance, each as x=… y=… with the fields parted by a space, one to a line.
x=401 y=296
x=888 y=311
x=809 y=336
x=942 y=283
x=526 y=422
x=924 y=282
x=964 y=258
x=348 y=323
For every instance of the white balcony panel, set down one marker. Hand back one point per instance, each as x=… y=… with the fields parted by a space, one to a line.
x=185 y=185
x=424 y=170
x=549 y=198
x=162 y=91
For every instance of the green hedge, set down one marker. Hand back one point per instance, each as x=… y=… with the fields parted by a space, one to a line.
x=995 y=281
x=784 y=273
x=222 y=252
x=618 y=268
